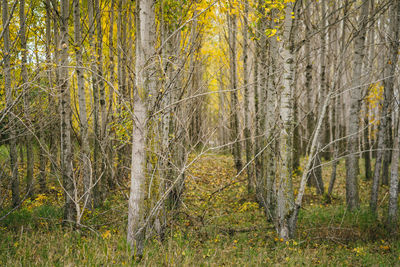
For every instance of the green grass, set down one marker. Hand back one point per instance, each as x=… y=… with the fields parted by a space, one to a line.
x=221 y=229
x=3 y=152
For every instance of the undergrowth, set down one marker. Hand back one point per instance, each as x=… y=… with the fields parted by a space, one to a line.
x=217 y=224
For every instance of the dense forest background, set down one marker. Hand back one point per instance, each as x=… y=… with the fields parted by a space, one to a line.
x=180 y=132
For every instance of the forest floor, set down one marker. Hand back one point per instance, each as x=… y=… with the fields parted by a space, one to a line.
x=218 y=224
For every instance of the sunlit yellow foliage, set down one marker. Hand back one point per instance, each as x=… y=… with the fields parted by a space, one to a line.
x=249 y=206
x=37 y=202
x=122 y=126
x=359 y=251
x=106 y=234
x=375 y=95
x=373 y=101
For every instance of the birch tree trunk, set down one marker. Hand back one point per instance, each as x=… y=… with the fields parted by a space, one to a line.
x=95 y=89
x=247 y=132
x=56 y=105
x=145 y=85
x=9 y=90
x=384 y=126
x=352 y=165
x=66 y=146
x=394 y=184
x=342 y=49
x=102 y=100
x=367 y=146
x=257 y=148
x=284 y=172
x=165 y=72
x=42 y=134
x=316 y=176
x=308 y=77
x=394 y=177
x=259 y=93
x=85 y=149
x=110 y=116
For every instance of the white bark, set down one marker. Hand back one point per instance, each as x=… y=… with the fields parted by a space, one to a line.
x=85 y=149
x=247 y=132
x=284 y=172
x=95 y=89
x=66 y=145
x=317 y=170
x=352 y=197
x=394 y=178
x=145 y=86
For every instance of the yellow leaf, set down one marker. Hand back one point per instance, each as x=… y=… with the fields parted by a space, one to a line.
x=106 y=234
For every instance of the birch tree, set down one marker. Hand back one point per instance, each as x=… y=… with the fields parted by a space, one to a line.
x=389 y=85
x=352 y=166
x=371 y=60
x=107 y=137
x=46 y=139
x=284 y=170
x=317 y=172
x=341 y=46
x=102 y=101
x=385 y=122
x=65 y=110
x=84 y=126
x=246 y=131
x=145 y=86
x=95 y=90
